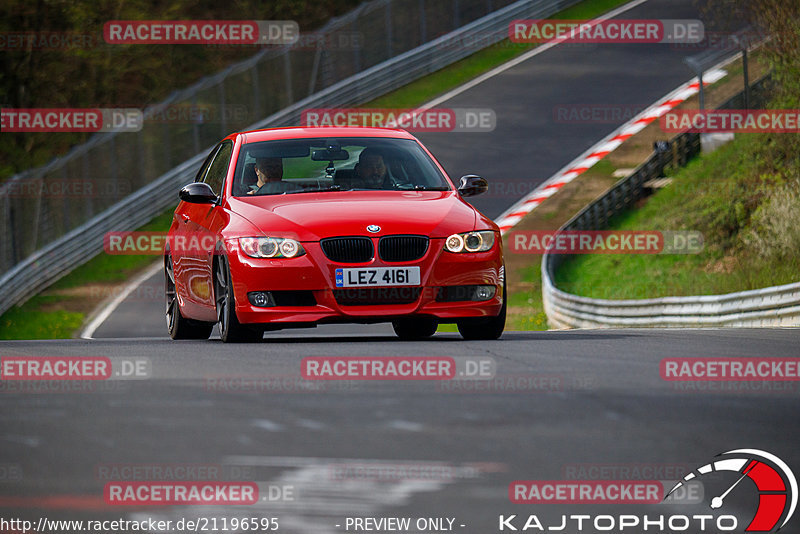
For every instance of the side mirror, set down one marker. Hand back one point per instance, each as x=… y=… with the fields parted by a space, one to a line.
x=198 y=193
x=472 y=185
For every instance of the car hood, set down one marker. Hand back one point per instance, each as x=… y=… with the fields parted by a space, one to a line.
x=315 y=216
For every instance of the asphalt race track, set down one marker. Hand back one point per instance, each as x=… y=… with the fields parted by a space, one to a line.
x=531 y=140
x=558 y=399
x=558 y=405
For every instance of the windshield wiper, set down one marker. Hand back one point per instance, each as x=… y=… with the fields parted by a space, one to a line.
x=331 y=188
x=426 y=188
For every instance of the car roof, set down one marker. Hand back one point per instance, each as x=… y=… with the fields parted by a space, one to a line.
x=271 y=134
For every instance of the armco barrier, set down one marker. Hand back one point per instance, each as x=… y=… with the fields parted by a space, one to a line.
x=54 y=244
x=772 y=306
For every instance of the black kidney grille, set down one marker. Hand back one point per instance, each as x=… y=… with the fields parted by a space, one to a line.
x=348 y=249
x=402 y=247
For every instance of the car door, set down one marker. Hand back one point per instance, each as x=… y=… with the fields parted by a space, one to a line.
x=203 y=225
x=188 y=260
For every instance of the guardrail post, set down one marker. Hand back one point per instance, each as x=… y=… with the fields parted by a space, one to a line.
x=746 y=79
x=165 y=144
x=36 y=212
x=387 y=21
x=356 y=51
x=142 y=167
x=423 y=27
x=287 y=68
x=114 y=165
x=255 y=110
x=312 y=82
x=12 y=233
x=702 y=92
x=222 y=120
x=89 y=204
x=195 y=126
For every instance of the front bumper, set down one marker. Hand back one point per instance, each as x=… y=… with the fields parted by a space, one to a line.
x=314 y=273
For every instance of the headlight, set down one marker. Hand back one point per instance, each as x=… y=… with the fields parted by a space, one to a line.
x=470 y=242
x=270 y=247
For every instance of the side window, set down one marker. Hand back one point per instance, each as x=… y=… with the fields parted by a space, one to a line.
x=219 y=168
x=204 y=167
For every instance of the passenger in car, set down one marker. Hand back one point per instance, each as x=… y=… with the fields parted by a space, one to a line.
x=270 y=177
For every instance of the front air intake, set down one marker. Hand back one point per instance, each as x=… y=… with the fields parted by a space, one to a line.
x=348 y=249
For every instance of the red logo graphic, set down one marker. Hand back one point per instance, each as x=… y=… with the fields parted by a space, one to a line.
x=776 y=484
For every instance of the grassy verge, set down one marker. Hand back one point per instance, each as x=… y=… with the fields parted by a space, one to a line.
x=59 y=311
x=744 y=198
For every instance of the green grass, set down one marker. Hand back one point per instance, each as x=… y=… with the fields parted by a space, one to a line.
x=724 y=195
x=30 y=322
x=525 y=306
x=115 y=268
x=41 y=317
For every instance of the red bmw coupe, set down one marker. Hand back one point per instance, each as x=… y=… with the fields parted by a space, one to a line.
x=303 y=226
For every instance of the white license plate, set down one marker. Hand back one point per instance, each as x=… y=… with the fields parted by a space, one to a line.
x=377 y=276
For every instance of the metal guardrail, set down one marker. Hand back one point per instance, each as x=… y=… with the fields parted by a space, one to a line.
x=772 y=306
x=46 y=238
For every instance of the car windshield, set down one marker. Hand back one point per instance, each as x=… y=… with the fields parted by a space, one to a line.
x=335 y=164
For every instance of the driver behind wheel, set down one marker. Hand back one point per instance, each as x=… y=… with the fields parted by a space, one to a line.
x=270 y=177
x=371 y=171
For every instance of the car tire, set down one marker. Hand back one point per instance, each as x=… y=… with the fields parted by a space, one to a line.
x=415 y=327
x=485 y=328
x=230 y=329
x=178 y=326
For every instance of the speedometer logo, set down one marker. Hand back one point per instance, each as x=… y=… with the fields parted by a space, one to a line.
x=776 y=484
